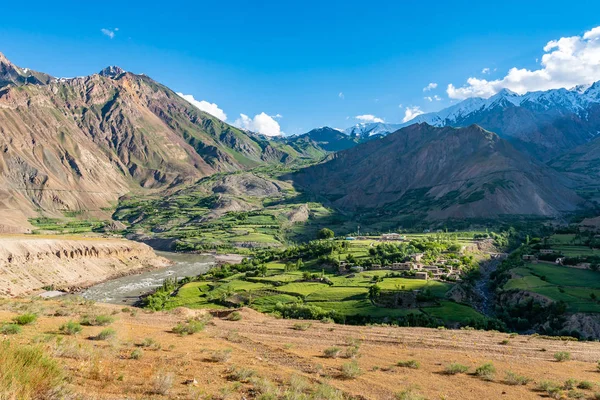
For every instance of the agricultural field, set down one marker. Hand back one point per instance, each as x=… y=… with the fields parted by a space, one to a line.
x=578 y=288
x=344 y=297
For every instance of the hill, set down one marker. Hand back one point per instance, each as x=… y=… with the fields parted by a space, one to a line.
x=440 y=173
x=323 y=140
x=79 y=144
x=257 y=356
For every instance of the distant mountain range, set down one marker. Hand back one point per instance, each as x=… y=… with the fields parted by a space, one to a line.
x=545 y=124
x=440 y=173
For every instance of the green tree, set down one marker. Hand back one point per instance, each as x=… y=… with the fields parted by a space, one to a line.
x=374 y=292
x=325 y=233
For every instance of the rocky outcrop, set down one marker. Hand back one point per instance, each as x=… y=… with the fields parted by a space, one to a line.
x=29 y=263
x=588 y=325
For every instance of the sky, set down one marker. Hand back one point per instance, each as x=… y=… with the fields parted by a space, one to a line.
x=286 y=67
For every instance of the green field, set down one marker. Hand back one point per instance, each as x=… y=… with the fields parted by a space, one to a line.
x=576 y=287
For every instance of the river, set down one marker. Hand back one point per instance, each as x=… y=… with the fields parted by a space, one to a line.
x=128 y=289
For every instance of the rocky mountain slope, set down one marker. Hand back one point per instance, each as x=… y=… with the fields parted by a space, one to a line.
x=545 y=124
x=79 y=144
x=440 y=173
x=583 y=163
x=30 y=263
x=321 y=141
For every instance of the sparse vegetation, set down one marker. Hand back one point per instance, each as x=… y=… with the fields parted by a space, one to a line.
x=10 y=329
x=189 y=328
x=562 y=356
x=486 y=371
x=98 y=320
x=235 y=316
x=25 y=319
x=220 y=355
x=70 y=328
x=240 y=374
x=150 y=343
x=27 y=373
x=301 y=326
x=136 y=354
x=512 y=378
x=409 y=394
x=332 y=352
x=105 y=334
x=351 y=370
x=413 y=364
x=163 y=383
x=456 y=368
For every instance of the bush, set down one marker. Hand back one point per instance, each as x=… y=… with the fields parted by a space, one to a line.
x=163 y=383
x=105 y=334
x=570 y=384
x=486 y=371
x=562 y=356
x=151 y=344
x=332 y=352
x=240 y=374
x=301 y=326
x=136 y=354
x=409 y=394
x=234 y=316
x=10 y=329
x=456 y=368
x=99 y=320
x=189 y=328
x=516 y=379
x=585 y=385
x=351 y=351
x=27 y=373
x=414 y=364
x=220 y=355
x=547 y=386
x=70 y=328
x=351 y=370
x=25 y=319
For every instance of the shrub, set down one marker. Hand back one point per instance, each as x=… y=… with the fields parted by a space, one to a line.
x=301 y=326
x=99 y=320
x=351 y=351
x=25 y=319
x=332 y=352
x=456 y=368
x=486 y=371
x=585 y=385
x=162 y=383
x=409 y=394
x=598 y=366
x=27 y=373
x=105 y=334
x=240 y=374
x=547 y=386
x=235 y=316
x=327 y=392
x=150 y=344
x=570 y=384
x=505 y=342
x=72 y=349
x=414 y=364
x=136 y=354
x=220 y=355
x=189 y=328
x=562 y=356
x=70 y=328
x=351 y=370
x=10 y=329
x=516 y=379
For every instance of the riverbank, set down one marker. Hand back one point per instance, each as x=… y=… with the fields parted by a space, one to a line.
x=29 y=264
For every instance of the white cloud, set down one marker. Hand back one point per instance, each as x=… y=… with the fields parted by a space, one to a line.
x=205 y=106
x=485 y=71
x=432 y=98
x=567 y=62
x=261 y=123
x=412 y=112
x=368 y=118
x=429 y=87
x=341 y=95
x=108 y=32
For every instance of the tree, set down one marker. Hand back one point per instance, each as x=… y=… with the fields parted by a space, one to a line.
x=325 y=233
x=374 y=292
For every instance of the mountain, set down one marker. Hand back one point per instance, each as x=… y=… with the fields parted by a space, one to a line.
x=545 y=124
x=320 y=141
x=440 y=173
x=78 y=144
x=582 y=164
x=366 y=130
x=10 y=74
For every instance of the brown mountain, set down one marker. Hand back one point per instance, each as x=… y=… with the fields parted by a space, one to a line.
x=440 y=173
x=78 y=144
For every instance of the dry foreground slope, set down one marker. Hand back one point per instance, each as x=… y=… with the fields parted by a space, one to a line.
x=263 y=356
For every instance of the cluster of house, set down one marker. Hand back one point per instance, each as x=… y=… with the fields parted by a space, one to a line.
x=442 y=270
x=559 y=260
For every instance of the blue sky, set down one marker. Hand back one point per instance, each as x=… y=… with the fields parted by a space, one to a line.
x=293 y=59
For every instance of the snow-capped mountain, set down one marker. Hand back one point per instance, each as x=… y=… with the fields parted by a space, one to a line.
x=367 y=129
x=545 y=124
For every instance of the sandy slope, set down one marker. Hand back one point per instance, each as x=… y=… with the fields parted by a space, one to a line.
x=276 y=351
x=28 y=263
